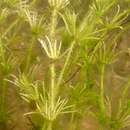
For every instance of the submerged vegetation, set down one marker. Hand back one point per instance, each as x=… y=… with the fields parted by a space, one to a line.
x=58 y=62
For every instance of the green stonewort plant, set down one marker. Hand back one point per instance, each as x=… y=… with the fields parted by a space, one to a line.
x=56 y=56
x=7 y=63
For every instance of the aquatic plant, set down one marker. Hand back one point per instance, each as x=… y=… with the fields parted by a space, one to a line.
x=57 y=57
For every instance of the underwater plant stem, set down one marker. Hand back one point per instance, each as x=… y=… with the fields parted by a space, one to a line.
x=52 y=67
x=52 y=93
x=49 y=125
x=102 y=88
x=74 y=122
x=71 y=121
x=3 y=95
x=53 y=24
x=29 y=55
x=66 y=63
x=52 y=89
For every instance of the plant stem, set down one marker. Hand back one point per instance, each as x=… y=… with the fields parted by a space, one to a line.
x=52 y=67
x=29 y=55
x=4 y=90
x=52 y=89
x=3 y=98
x=49 y=125
x=65 y=64
x=71 y=121
x=102 y=88
x=53 y=24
